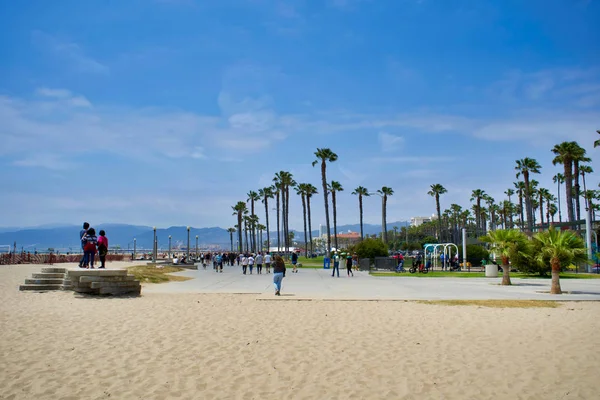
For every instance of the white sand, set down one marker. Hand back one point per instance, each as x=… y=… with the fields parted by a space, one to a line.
x=60 y=346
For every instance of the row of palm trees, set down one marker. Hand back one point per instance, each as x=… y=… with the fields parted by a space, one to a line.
x=531 y=197
x=248 y=221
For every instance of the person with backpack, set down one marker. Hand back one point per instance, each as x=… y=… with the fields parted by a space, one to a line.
x=102 y=248
x=349 y=265
x=82 y=233
x=89 y=242
x=294 y=261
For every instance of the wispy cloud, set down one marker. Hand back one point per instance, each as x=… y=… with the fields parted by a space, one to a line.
x=69 y=52
x=390 y=142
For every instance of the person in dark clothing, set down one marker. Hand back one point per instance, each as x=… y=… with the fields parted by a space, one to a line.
x=278 y=274
x=102 y=248
x=89 y=242
x=81 y=235
x=294 y=261
x=349 y=265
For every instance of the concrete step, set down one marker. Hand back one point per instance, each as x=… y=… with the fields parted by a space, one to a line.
x=66 y=287
x=121 y=278
x=54 y=270
x=44 y=281
x=39 y=288
x=47 y=275
x=98 y=285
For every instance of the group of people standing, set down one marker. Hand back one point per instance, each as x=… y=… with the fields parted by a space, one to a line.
x=351 y=262
x=92 y=244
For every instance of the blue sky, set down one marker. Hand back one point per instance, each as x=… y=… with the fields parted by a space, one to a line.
x=168 y=112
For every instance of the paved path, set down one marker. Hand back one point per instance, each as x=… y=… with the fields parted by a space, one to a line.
x=318 y=284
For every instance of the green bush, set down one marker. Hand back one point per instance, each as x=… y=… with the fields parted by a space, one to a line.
x=475 y=253
x=370 y=248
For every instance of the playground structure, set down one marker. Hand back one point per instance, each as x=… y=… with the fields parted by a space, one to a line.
x=433 y=251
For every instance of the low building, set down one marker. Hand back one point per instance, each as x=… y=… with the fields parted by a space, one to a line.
x=346 y=239
x=418 y=221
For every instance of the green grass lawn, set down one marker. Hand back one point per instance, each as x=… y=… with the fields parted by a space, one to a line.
x=445 y=274
x=151 y=274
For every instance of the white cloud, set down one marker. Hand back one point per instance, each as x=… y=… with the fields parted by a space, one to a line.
x=69 y=52
x=55 y=93
x=390 y=142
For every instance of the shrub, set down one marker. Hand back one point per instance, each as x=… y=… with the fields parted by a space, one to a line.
x=475 y=253
x=370 y=248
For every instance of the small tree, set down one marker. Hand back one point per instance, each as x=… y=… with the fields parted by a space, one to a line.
x=507 y=243
x=370 y=248
x=560 y=246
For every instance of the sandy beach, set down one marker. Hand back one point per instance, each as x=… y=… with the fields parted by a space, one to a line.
x=202 y=346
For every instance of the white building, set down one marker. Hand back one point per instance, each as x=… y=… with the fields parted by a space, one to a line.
x=417 y=221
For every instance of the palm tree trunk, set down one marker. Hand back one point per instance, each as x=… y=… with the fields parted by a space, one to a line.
x=439 y=214
x=278 y=234
x=231 y=240
x=267 y=220
x=384 y=218
x=505 y=272
x=326 y=200
x=541 y=210
x=577 y=191
x=240 y=228
x=555 y=288
x=309 y=225
x=528 y=207
x=333 y=202
x=283 y=216
x=287 y=218
x=305 y=233
x=246 y=234
x=569 y=190
x=360 y=208
x=559 y=211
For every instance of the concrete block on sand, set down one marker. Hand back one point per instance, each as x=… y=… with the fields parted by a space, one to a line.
x=37 y=287
x=54 y=270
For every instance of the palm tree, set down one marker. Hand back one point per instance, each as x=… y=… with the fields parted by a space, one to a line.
x=310 y=191
x=525 y=167
x=436 y=190
x=543 y=194
x=491 y=209
x=289 y=182
x=552 y=210
x=558 y=179
x=277 y=186
x=252 y=197
x=477 y=195
x=565 y=153
x=240 y=209
x=260 y=228
x=520 y=186
x=550 y=199
x=335 y=187
x=585 y=169
x=301 y=191
x=266 y=194
x=597 y=142
x=324 y=155
x=231 y=231
x=578 y=158
x=507 y=243
x=559 y=248
x=509 y=192
x=246 y=223
x=360 y=192
x=384 y=192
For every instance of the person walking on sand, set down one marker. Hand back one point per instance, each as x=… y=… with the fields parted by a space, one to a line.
x=268 y=263
x=244 y=263
x=294 y=261
x=82 y=233
x=102 y=248
x=89 y=247
x=336 y=264
x=278 y=274
x=349 y=265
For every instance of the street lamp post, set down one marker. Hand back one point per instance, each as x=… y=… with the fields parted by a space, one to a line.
x=169 y=245
x=196 y=247
x=188 y=243
x=134 y=247
x=154 y=246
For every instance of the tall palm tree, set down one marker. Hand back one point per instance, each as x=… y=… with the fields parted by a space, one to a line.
x=252 y=197
x=552 y=209
x=565 y=153
x=520 y=186
x=260 y=228
x=310 y=191
x=301 y=191
x=477 y=195
x=246 y=223
x=525 y=167
x=266 y=194
x=550 y=199
x=509 y=192
x=507 y=243
x=543 y=194
x=277 y=185
x=436 y=190
x=283 y=181
x=559 y=247
x=578 y=158
x=360 y=192
x=335 y=187
x=491 y=209
x=585 y=169
x=289 y=183
x=558 y=179
x=384 y=192
x=239 y=210
x=231 y=231
x=323 y=156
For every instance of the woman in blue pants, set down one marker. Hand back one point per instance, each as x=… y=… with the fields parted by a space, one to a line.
x=278 y=274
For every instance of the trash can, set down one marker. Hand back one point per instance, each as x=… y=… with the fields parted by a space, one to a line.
x=326 y=263
x=491 y=271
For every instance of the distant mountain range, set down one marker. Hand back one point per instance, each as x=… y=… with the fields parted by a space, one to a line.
x=65 y=237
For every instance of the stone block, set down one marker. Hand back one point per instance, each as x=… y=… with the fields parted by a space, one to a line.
x=40 y=288
x=119 y=278
x=54 y=270
x=120 y=291
x=45 y=275
x=43 y=281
